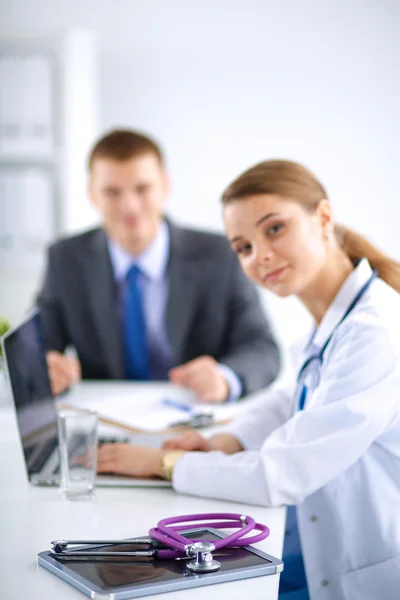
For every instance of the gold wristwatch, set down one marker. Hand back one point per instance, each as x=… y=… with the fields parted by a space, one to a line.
x=169 y=461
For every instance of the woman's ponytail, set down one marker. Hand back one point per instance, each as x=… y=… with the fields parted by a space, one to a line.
x=357 y=247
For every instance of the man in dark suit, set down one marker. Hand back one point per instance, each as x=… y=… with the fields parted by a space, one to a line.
x=142 y=298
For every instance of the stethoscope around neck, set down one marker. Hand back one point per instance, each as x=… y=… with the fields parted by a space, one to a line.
x=167 y=542
x=312 y=366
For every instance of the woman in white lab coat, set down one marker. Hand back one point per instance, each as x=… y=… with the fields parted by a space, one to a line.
x=329 y=444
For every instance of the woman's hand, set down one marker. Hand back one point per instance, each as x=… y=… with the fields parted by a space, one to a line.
x=127 y=459
x=190 y=440
x=193 y=441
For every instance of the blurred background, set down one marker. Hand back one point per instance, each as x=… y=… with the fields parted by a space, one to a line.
x=221 y=85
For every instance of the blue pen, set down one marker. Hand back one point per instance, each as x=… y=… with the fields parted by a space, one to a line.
x=175 y=404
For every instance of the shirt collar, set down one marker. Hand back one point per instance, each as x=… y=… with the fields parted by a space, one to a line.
x=152 y=262
x=341 y=302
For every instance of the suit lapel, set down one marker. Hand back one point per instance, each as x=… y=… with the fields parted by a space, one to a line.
x=183 y=291
x=103 y=298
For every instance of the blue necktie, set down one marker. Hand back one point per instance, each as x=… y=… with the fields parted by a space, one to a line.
x=134 y=329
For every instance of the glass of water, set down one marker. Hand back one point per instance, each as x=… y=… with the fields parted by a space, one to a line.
x=77 y=442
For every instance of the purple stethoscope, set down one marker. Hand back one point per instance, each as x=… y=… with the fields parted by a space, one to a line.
x=167 y=542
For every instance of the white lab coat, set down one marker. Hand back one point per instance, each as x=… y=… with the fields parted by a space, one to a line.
x=338 y=460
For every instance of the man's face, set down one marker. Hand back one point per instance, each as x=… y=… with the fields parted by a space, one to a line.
x=130 y=197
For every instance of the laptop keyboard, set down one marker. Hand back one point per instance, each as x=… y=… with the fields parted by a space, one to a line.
x=112 y=441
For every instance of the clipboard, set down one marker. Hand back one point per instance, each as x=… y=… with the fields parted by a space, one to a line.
x=145 y=407
x=194 y=423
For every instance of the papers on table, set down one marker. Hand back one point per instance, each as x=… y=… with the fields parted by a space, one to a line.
x=144 y=407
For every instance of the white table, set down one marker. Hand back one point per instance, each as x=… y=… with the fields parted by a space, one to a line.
x=31 y=517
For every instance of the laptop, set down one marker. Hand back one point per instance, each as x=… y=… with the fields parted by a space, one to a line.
x=35 y=406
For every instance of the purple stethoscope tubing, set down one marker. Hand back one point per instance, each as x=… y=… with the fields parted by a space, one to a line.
x=167 y=532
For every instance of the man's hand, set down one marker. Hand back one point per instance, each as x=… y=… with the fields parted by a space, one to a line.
x=190 y=440
x=203 y=377
x=63 y=371
x=127 y=459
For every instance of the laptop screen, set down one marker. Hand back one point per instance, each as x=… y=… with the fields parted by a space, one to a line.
x=36 y=415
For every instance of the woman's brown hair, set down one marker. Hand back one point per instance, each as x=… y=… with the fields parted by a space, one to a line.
x=291 y=180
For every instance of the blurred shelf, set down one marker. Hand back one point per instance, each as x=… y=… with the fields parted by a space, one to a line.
x=28 y=161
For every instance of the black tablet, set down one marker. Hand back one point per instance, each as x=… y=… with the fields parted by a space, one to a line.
x=118 y=577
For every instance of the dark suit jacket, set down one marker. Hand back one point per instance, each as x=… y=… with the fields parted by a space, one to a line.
x=212 y=308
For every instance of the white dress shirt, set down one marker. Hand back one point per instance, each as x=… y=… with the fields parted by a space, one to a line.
x=155 y=288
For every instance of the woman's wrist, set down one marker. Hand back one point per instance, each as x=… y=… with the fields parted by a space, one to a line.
x=166 y=462
x=157 y=464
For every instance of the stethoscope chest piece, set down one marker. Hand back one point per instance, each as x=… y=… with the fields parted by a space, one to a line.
x=203 y=559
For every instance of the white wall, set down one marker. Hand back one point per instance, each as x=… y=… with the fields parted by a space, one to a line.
x=225 y=84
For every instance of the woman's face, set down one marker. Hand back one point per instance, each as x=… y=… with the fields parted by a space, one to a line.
x=280 y=245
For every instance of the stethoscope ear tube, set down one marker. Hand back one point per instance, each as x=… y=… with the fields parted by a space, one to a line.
x=60 y=547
